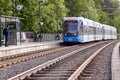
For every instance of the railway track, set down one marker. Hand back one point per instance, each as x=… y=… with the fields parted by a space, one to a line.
x=13 y=59
x=68 y=66
x=9 y=60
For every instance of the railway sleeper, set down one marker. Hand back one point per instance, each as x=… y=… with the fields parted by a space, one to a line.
x=50 y=75
x=57 y=64
x=1 y=66
x=59 y=69
x=85 y=75
x=83 y=78
x=46 y=78
x=87 y=69
x=14 y=62
x=91 y=68
x=54 y=72
x=62 y=68
x=88 y=72
x=8 y=64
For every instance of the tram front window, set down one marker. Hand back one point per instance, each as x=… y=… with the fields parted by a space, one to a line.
x=70 y=28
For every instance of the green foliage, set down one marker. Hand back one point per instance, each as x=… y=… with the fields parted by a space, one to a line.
x=115 y=3
x=5 y=7
x=52 y=12
x=85 y=8
x=116 y=20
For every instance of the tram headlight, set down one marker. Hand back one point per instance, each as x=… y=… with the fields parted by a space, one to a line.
x=74 y=34
x=65 y=34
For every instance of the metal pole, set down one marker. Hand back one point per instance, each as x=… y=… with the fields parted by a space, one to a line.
x=57 y=20
x=13 y=7
x=40 y=36
x=0 y=33
x=57 y=36
x=39 y=16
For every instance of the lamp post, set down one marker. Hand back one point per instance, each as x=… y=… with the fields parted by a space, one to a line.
x=57 y=36
x=40 y=23
x=57 y=19
x=19 y=7
x=14 y=7
x=0 y=33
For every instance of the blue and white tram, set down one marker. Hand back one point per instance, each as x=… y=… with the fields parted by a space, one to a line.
x=79 y=29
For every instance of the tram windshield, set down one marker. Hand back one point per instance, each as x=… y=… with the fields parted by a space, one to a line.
x=70 y=27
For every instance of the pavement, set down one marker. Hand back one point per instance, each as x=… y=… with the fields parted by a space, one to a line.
x=26 y=47
x=115 y=64
x=28 y=44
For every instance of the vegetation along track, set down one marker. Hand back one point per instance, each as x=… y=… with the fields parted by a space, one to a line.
x=60 y=68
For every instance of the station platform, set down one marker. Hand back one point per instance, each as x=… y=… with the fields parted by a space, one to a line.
x=115 y=63
x=27 y=47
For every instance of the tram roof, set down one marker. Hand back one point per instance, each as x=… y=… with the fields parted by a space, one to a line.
x=73 y=18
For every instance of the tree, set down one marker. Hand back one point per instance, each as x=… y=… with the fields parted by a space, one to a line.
x=85 y=8
x=5 y=7
x=29 y=13
x=116 y=21
x=48 y=15
x=52 y=13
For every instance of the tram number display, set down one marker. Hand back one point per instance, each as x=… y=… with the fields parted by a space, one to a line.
x=71 y=21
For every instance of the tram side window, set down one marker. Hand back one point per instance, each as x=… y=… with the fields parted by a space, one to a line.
x=91 y=31
x=81 y=30
x=105 y=31
x=101 y=31
x=98 y=29
x=113 y=33
x=86 y=32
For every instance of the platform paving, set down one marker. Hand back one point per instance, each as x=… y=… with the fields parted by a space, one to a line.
x=115 y=64
x=26 y=47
